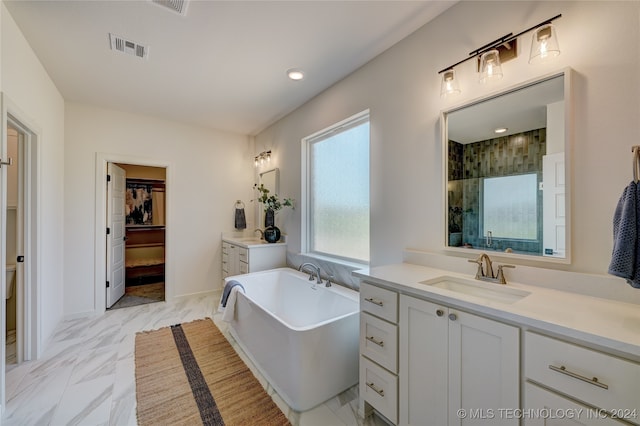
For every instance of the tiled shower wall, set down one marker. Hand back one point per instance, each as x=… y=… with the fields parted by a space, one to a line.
x=470 y=163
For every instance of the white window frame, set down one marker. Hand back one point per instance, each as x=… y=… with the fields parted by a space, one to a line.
x=306 y=142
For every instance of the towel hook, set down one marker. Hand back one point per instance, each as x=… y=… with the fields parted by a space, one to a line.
x=636 y=162
x=239 y=204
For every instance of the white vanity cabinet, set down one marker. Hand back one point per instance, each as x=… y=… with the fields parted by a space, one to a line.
x=421 y=362
x=560 y=373
x=452 y=360
x=241 y=258
x=379 y=351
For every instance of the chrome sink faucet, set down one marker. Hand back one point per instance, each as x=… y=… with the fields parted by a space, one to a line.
x=486 y=274
x=315 y=270
x=260 y=231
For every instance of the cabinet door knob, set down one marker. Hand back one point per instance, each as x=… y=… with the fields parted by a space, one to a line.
x=439 y=312
x=453 y=317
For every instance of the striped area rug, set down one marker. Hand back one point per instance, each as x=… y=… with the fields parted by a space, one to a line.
x=189 y=374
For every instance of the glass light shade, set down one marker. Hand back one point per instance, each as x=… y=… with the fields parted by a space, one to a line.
x=490 y=68
x=449 y=85
x=544 y=44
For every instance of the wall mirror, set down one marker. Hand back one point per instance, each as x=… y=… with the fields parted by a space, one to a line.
x=271 y=180
x=505 y=169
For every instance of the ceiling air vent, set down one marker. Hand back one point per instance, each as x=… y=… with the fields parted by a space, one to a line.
x=176 y=6
x=129 y=47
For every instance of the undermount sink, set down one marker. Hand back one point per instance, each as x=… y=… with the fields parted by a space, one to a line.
x=476 y=288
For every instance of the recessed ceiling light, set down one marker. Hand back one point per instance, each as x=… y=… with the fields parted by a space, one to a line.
x=500 y=130
x=295 y=74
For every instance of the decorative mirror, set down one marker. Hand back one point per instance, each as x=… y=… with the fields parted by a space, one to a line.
x=271 y=180
x=505 y=168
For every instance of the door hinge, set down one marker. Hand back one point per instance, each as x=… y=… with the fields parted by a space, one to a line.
x=107 y=284
x=108 y=178
x=108 y=231
x=20 y=259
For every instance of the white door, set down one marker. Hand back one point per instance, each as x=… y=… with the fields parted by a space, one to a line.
x=553 y=197
x=115 y=233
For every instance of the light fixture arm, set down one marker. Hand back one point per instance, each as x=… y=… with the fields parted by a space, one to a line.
x=498 y=42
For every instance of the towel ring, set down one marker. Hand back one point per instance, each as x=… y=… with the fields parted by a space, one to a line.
x=240 y=204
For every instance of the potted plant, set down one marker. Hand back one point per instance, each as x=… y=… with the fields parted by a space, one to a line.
x=271 y=205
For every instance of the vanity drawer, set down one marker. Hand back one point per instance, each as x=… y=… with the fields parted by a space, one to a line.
x=379 y=341
x=244 y=268
x=379 y=388
x=379 y=301
x=537 y=398
x=243 y=254
x=593 y=377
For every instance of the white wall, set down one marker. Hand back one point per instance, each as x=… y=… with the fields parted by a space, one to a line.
x=555 y=127
x=208 y=170
x=599 y=40
x=26 y=83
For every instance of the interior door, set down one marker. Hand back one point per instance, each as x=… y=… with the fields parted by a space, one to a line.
x=115 y=233
x=553 y=202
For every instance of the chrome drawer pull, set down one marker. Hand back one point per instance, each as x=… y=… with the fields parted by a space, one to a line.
x=377 y=342
x=375 y=389
x=374 y=301
x=563 y=370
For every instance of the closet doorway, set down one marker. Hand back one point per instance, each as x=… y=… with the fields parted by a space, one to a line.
x=136 y=229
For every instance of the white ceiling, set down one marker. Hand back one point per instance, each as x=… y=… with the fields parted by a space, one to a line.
x=518 y=111
x=220 y=66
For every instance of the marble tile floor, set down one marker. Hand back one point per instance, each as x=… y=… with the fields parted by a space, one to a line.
x=86 y=375
x=10 y=353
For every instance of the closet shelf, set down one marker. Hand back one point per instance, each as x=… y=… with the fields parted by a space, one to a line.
x=141 y=245
x=143 y=227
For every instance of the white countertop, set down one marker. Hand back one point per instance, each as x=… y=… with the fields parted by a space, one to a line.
x=600 y=323
x=251 y=242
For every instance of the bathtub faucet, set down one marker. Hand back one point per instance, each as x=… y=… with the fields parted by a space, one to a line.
x=316 y=270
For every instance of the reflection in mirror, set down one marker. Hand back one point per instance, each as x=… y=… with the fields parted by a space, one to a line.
x=505 y=172
x=271 y=180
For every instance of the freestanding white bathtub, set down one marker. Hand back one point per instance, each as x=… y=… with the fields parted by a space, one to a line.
x=303 y=338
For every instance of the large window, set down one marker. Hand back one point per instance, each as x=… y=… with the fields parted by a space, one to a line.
x=337 y=190
x=510 y=207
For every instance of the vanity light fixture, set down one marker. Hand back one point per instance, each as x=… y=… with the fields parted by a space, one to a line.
x=449 y=85
x=544 y=45
x=260 y=159
x=500 y=130
x=295 y=74
x=490 y=68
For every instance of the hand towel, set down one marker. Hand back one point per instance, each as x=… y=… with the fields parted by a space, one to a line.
x=240 y=219
x=227 y=291
x=625 y=259
x=228 y=300
x=230 y=308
